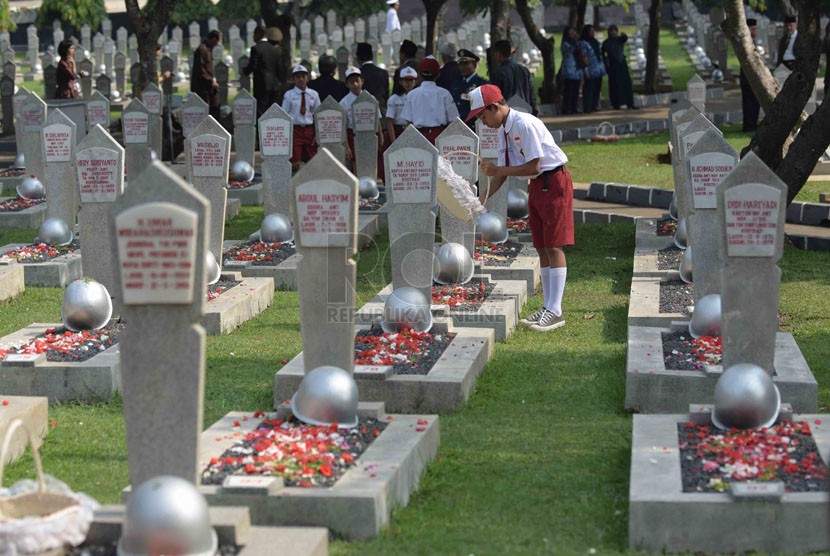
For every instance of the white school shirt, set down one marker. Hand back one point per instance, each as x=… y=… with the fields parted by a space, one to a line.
x=394 y=107
x=429 y=105
x=788 y=53
x=392 y=21
x=346 y=102
x=292 y=101
x=527 y=138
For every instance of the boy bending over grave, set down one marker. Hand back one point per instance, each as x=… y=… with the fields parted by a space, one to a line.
x=527 y=149
x=354 y=81
x=300 y=103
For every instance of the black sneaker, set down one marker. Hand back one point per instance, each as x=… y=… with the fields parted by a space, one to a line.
x=549 y=321
x=534 y=318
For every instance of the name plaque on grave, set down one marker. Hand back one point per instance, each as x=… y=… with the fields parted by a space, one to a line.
x=488 y=142
x=364 y=115
x=689 y=140
x=697 y=93
x=136 y=127
x=457 y=151
x=191 y=118
x=57 y=143
x=275 y=137
x=751 y=220
x=323 y=214
x=98 y=113
x=207 y=156
x=18 y=100
x=707 y=170
x=152 y=101
x=243 y=112
x=97 y=168
x=157 y=250
x=32 y=117
x=411 y=176
x=329 y=127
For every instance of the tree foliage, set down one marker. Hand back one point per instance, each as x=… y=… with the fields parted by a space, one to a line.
x=71 y=12
x=237 y=9
x=186 y=11
x=6 y=21
x=347 y=9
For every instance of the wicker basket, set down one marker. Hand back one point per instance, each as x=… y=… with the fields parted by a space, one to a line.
x=33 y=522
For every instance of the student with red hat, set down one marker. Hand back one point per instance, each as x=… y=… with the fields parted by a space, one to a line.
x=429 y=107
x=527 y=149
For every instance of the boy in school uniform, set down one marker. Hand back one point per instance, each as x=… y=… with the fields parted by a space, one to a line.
x=527 y=149
x=354 y=81
x=300 y=103
x=429 y=107
x=394 y=106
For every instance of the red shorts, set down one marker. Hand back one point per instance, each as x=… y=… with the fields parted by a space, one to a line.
x=350 y=141
x=551 y=217
x=431 y=133
x=304 y=147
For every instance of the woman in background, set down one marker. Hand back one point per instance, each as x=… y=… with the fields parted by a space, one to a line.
x=66 y=76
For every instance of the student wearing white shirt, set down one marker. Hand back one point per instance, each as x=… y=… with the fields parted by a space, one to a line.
x=301 y=102
x=394 y=106
x=392 y=21
x=527 y=149
x=354 y=81
x=429 y=107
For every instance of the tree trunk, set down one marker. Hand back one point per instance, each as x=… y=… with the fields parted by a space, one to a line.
x=499 y=22
x=433 y=9
x=752 y=64
x=547 y=93
x=147 y=31
x=581 y=6
x=573 y=16
x=597 y=20
x=655 y=13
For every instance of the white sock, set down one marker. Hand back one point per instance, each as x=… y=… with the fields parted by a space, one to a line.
x=546 y=286
x=556 y=286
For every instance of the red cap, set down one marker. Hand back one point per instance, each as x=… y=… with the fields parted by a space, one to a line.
x=482 y=97
x=429 y=67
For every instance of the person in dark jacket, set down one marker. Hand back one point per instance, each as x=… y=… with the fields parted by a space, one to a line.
x=66 y=76
x=406 y=56
x=596 y=68
x=375 y=79
x=327 y=85
x=620 y=90
x=749 y=102
x=512 y=78
x=264 y=63
x=202 y=81
x=571 y=69
x=786 y=46
x=449 y=71
x=466 y=82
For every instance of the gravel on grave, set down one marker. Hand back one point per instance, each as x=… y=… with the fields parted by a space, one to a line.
x=259 y=253
x=17 y=205
x=220 y=287
x=244 y=184
x=62 y=345
x=460 y=298
x=371 y=205
x=669 y=258
x=676 y=297
x=518 y=224
x=303 y=455
x=37 y=253
x=408 y=352
x=681 y=352
x=666 y=227
x=12 y=173
x=711 y=458
x=112 y=550
x=501 y=254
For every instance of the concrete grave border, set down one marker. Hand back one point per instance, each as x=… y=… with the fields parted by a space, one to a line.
x=524 y=267
x=651 y=388
x=28 y=219
x=248 y=196
x=232 y=207
x=360 y=504
x=645 y=235
x=12 y=282
x=238 y=304
x=644 y=301
x=56 y=273
x=445 y=388
x=499 y=312
x=646 y=263
x=664 y=518
x=95 y=379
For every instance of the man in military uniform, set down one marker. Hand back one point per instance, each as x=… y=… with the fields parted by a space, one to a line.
x=469 y=80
